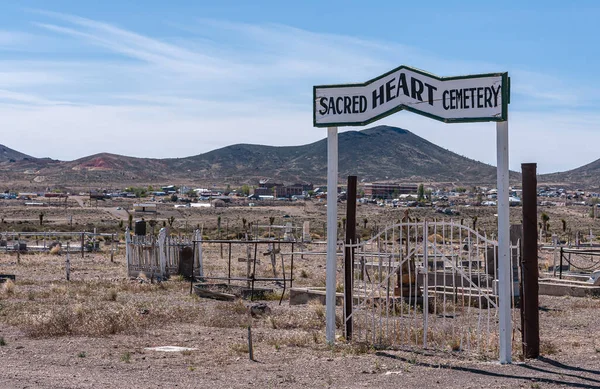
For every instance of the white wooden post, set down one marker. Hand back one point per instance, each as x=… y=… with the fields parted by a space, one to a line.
x=504 y=268
x=128 y=253
x=330 y=281
x=199 y=259
x=162 y=252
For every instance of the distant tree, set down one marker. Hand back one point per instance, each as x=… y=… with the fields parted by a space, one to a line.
x=174 y=198
x=545 y=222
x=41 y=218
x=421 y=193
x=365 y=221
x=245 y=190
x=130 y=221
x=475 y=223
x=461 y=189
x=271 y=220
x=150 y=188
x=171 y=220
x=138 y=192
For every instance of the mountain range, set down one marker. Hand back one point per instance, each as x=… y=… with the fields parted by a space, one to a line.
x=375 y=154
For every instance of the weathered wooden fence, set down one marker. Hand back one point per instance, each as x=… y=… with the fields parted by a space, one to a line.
x=160 y=257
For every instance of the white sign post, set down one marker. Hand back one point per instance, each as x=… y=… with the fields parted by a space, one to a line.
x=330 y=279
x=472 y=98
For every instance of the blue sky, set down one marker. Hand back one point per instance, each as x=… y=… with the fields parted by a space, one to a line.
x=178 y=78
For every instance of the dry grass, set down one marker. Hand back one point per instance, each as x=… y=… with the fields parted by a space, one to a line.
x=111 y=295
x=241 y=348
x=586 y=303
x=90 y=319
x=547 y=347
x=101 y=305
x=126 y=357
x=95 y=307
x=294 y=339
x=8 y=288
x=455 y=344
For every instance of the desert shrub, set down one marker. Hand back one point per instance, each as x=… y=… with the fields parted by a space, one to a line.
x=94 y=319
x=9 y=288
x=126 y=357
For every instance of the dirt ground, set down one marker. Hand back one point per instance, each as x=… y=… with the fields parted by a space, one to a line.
x=94 y=330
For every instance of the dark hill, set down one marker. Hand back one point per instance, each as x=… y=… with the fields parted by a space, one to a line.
x=375 y=154
x=586 y=176
x=10 y=155
x=380 y=153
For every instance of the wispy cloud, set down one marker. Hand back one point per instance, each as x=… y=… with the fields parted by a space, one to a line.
x=16 y=97
x=221 y=83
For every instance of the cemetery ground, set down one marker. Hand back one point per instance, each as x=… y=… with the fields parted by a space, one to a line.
x=95 y=330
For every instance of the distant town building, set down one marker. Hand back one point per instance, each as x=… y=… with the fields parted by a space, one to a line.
x=27 y=195
x=143 y=208
x=384 y=190
x=279 y=190
x=97 y=196
x=263 y=191
x=289 y=191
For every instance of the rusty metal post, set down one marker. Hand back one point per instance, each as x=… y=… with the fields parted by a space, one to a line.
x=560 y=264
x=349 y=254
x=229 y=266
x=530 y=298
x=68 y=264
x=250 y=348
x=112 y=248
x=292 y=268
x=18 y=249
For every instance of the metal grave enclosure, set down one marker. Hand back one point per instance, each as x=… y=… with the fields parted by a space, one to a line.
x=427 y=285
